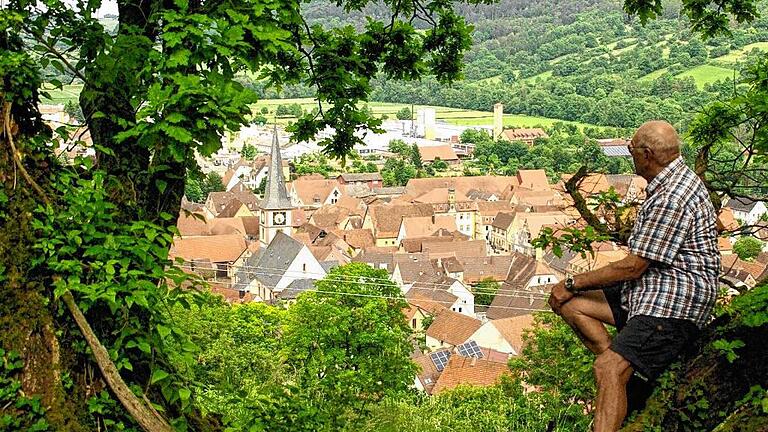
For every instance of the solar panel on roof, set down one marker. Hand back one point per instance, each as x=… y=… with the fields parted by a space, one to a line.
x=440 y=359
x=470 y=349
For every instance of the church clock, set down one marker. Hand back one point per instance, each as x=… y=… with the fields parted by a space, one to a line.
x=279 y=218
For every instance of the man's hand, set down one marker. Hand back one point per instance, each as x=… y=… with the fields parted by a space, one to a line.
x=559 y=296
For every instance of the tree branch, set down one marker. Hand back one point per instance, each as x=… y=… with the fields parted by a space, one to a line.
x=147 y=418
x=16 y=157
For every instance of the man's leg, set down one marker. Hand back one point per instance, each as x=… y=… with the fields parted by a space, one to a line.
x=612 y=372
x=587 y=314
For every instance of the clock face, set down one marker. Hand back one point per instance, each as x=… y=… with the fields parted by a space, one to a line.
x=279 y=218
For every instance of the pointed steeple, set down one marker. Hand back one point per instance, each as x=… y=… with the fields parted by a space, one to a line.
x=275 y=195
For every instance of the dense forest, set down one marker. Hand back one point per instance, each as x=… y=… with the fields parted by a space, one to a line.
x=580 y=61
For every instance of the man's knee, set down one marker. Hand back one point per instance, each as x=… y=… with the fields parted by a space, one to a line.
x=611 y=368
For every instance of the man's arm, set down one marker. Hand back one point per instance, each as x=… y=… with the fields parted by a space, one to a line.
x=629 y=268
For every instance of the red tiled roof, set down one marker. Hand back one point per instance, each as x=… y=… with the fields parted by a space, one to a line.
x=453 y=328
x=469 y=371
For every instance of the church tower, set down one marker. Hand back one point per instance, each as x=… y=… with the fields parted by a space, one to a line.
x=275 y=212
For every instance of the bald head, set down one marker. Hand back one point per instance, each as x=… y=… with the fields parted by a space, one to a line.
x=661 y=138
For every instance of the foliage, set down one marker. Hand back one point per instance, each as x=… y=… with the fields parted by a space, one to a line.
x=397 y=172
x=248 y=152
x=312 y=163
x=198 y=186
x=747 y=247
x=18 y=411
x=485 y=291
x=728 y=138
x=74 y=112
x=554 y=361
x=416 y=157
x=343 y=349
x=404 y=114
x=358 y=166
x=235 y=361
x=120 y=270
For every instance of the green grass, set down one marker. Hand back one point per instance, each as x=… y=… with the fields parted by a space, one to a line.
x=623 y=50
x=653 y=75
x=736 y=55
x=542 y=76
x=455 y=116
x=514 y=120
x=490 y=80
x=61 y=96
x=707 y=74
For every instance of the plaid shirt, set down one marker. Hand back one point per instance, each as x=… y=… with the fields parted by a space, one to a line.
x=675 y=229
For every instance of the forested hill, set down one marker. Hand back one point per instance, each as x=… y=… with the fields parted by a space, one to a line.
x=582 y=60
x=545 y=11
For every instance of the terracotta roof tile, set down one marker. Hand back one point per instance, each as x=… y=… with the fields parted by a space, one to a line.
x=428 y=373
x=524 y=134
x=444 y=152
x=217 y=248
x=512 y=329
x=387 y=218
x=453 y=328
x=469 y=371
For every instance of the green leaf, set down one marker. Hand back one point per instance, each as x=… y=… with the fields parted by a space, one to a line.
x=158 y=375
x=163 y=331
x=184 y=395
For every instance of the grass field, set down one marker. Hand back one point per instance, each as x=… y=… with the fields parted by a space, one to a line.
x=736 y=55
x=653 y=75
x=61 y=96
x=455 y=116
x=542 y=76
x=706 y=74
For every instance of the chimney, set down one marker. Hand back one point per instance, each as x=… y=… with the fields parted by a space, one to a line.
x=474 y=361
x=498 y=120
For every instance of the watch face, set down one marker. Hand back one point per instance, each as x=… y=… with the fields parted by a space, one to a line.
x=279 y=218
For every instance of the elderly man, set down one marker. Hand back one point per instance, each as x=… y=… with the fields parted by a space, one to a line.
x=662 y=293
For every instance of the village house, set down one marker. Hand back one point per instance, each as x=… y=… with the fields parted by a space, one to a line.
x=284 y=261
x=746 y=211
x=505 y=334
x=525 y=289
x=502 y=233
x=471 y=371
x=528 y=136
x=369 y=180
x=445 y=153
x=314 y=191
x=221 y=250
x=449 y=329
x=385 y=220
x=434 y=288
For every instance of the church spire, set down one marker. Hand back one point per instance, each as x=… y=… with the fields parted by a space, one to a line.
x=275 y=195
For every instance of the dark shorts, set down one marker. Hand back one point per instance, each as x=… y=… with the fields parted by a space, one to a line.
x=650 y=344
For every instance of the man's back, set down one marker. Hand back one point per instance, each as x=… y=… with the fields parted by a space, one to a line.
x=675 y=229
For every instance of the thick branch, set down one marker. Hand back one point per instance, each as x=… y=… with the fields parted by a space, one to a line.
x=147 y=418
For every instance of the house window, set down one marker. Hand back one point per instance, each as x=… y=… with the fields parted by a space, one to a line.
x=413 y=323
x=459 y=309
x=304 y=267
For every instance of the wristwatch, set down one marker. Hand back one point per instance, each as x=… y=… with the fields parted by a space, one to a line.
x=569 y=285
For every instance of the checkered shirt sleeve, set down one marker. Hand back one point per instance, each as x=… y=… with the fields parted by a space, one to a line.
x=661 y=229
